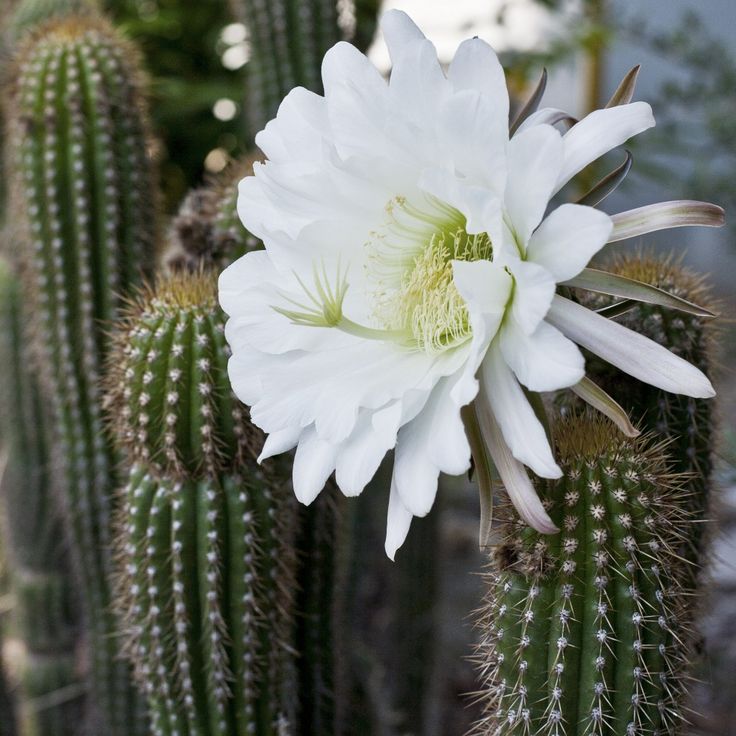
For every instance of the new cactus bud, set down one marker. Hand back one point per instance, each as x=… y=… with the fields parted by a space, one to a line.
x=169 y=394
x=84 y=198
x=207 y=230
x=581 y=630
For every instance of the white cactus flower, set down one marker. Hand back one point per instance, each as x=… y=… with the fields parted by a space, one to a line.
x=409 y=271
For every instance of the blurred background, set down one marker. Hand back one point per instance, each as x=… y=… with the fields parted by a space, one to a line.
x=197 y=54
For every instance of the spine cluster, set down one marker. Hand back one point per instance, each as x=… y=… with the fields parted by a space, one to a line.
x=583 y=632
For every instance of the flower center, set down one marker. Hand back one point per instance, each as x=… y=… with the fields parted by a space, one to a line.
x=410 y=263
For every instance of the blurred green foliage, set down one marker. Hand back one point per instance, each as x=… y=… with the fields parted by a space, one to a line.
x=182 y=44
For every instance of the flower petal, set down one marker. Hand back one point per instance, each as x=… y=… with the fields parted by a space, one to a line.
x=514 y=476
x=534 y=287
x=546 y=116
x=476 y=67
x=472 y=139
x=594 y=395
x=399 y=30
x=534 y=163
x=313 y=463
x=281 y=441
x=434 y=441
x=600 y=132
x=663 y=216
x=543 y=361
x=628 y=350
x=522 y=431
x=485 y=286
x=568 y=238
x=362 y=453
x=397 y=523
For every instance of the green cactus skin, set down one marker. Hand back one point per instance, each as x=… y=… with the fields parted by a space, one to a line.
x=83 y=192
x=45 y=611
x=7 y=710
x=207 y=230
x=201 y=572
x=29 y=13
x=173 y=408
x=288 y=40
x=689 y=424
x=318 y=606
x=582 y=630
x=205 y=538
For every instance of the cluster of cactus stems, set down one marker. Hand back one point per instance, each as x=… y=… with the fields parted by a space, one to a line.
x=45 y=611
x=193 y=561
x=84 y=196
x=582 y=630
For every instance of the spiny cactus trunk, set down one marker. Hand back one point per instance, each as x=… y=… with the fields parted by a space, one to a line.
x=687 y=423
x=583 y=631
x=288 y=40
x=45 y=612
x=79 y=155
x=205 y=538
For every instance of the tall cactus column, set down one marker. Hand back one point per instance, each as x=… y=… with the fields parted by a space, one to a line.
x=83 y=190
x=51 y=702
x=687 y=423
x=205 y=537
x=583 y=632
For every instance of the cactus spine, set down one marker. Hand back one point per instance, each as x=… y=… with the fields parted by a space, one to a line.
x=45 y=609
x=79 y=151
x=582 y=630
x=204 y=537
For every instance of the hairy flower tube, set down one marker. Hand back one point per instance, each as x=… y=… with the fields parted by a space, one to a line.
x=407 y=296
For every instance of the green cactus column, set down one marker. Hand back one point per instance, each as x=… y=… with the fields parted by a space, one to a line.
x=205 y=537
x=207 y=230
x=582 y=631
x=84 y=197
x=45 y=613
x=288 y=40
x=687 y=423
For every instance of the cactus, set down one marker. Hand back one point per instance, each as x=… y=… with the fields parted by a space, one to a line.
x=45 y=609
x=84 y=195
x=204 y=537
x=29 y=13
x=687 y=423
x=207 y=230
x=288 y=41
x=582 y=632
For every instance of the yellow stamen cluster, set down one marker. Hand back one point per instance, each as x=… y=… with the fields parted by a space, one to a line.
x=413 y=266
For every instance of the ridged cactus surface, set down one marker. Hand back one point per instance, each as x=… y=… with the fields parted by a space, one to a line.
x=29 y=13
x=582 y=630
x=288 y=41
x=200 y=586
x=45 y=615
x=687 y=423
x=84 y=197
x=207 y=230
x=172 y=405
x=205 y=537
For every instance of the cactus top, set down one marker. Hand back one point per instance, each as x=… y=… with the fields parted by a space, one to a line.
x=169 y=397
